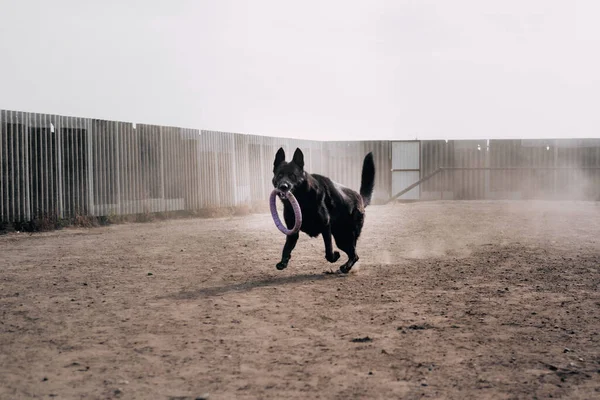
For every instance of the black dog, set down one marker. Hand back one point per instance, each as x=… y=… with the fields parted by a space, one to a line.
x=328 y=208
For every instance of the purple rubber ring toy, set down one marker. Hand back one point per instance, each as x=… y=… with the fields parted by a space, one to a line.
x=275 y=215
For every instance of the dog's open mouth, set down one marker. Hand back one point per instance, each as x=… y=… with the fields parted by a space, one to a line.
x=282 y=195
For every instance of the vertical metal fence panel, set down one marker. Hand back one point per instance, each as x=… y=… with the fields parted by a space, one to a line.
x=125 y=169
x=50 y=165
x=24 y=118
x=17 y=165
x=5 y=168
x=136 y=165
x=193 y=157
x=77 y=167
x=193 y=145
x=177 y=169
x=188 y=182
x=108 y=166
x=126 y=179
x=183 y=168
x=128 y=157
x=137 y=162
x=89 y=178
x=54 y=166
x=48 y=128
x=32 y=155
x=167 y=164
x=58 y=161
x=14 y=168
x=65 y=167
x=103 y=166
x=3 y=180
x=22 y=166
x=174 y=168
x=106 y=171
x=80 y=154
x=10 y=173
x=95 y=170
x=160 y=143
x=72 y=167
x=242 y=174
x=118 y=168
x=97 y=166
x=167 y=142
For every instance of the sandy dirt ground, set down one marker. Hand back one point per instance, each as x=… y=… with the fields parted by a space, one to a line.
x=457 y=300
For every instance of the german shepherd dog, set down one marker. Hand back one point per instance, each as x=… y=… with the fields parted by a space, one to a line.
x=328 y=208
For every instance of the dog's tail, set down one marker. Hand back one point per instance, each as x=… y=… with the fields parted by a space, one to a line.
x=367 y=181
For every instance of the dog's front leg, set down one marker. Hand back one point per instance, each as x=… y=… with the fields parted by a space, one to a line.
x=290 y=243
x=330 y=255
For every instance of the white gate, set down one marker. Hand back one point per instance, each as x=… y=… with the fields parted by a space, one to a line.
x=406 y=168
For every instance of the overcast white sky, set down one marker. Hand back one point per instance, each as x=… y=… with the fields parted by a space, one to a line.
x=329 y=70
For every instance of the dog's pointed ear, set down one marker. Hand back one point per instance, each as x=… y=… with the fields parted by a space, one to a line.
x=298 y=158
x=279 y=158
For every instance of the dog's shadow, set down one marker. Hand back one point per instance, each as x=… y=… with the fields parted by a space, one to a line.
x=251 y=285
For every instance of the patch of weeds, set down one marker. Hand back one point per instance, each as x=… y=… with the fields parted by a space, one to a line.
x=114 y=218
x=84 y=221
x=5 y=227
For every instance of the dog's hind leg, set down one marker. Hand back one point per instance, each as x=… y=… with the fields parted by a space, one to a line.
x=347 y=243
x=290 y=243
x=330 y=255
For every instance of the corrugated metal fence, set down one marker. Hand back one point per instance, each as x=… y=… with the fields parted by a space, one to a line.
x=59 y=166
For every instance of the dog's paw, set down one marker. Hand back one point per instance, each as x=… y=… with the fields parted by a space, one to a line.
x=334 y=257
x=281 y=265
x=347 y=266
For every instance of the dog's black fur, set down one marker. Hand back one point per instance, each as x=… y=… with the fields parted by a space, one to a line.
x=328 y=209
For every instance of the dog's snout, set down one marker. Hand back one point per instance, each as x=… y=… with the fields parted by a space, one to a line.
x=284 y=186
